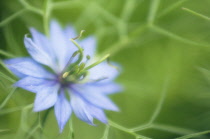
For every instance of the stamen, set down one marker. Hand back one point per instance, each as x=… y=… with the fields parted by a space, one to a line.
x=87 y=57
x=77 y=71
x=98 y=80
x=109 y=63
x=80 y=51
x=83 y=77
x=75 y=53
x=65 y=74
x=81 y=66
x=97 y=62
x=71 y=59
x=80 y=35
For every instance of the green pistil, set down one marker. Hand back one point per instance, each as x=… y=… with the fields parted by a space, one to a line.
x=81 y=71
x=80 y=51
x=81 y=66
x=77 y=70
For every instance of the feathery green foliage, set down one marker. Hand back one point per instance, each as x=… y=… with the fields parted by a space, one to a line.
x=162 y=45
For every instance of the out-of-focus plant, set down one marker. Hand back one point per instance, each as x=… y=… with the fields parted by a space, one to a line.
x=163 y=46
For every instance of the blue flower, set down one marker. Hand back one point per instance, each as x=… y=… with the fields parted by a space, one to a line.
x=65 y=77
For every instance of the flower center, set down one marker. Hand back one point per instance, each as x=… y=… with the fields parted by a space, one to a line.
x=78 y=71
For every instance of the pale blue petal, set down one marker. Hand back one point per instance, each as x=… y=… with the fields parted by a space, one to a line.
x=33 y=84
x=103 y=70
x=46 y=98
x=89 y=46
x=14 y=61
x=62 y=110
x=70 y=32
x=106 y=88
x=97 y=113
x=28 y=67
x=80 y=109
x=92 y=96
x=39 y=54
x=42 y=42
x=100 y=100
x=61 y=44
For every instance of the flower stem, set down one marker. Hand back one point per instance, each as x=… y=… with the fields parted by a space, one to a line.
x=45 y=117
x=46 y=16
x=71 y=130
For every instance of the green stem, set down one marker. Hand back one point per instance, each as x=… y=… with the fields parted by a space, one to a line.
x=71 y=130
x=31 y=8
x=141 y=127
x=152 y=11
x=119 y=127
x=106 y=132
x=33 y=129
x=196 y=14
x=170 y=8
x=46 y=16
x=7 y=98
x=172 y=129
x=6 y=111
x=161 y=101
x=12 y=17
x=7 y=77
x=6 y=54
x=45 y=117
x=193 y=135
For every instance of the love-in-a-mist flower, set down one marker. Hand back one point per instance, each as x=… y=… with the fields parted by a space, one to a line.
x=66 y=76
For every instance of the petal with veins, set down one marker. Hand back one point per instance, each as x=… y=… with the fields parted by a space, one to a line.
x=62 y=110
x=46 y=98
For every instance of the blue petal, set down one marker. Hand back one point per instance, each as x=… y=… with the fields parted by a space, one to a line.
x=46 y=98
x=33 y=84
x=42 y=42
x=103 y=70
x=61 y=44
x=62 y=110
x=80 y=109
x=69 y=32
x=38 y=53
x=97 y=113
x=95 y=98
x=27 y=67
x=89 y=46
x=106 y=88
x=14 y=61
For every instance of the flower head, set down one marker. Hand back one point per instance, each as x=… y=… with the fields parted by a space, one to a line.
x=68 y=78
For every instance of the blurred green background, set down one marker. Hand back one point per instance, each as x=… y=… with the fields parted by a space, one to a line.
x=164 y=51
